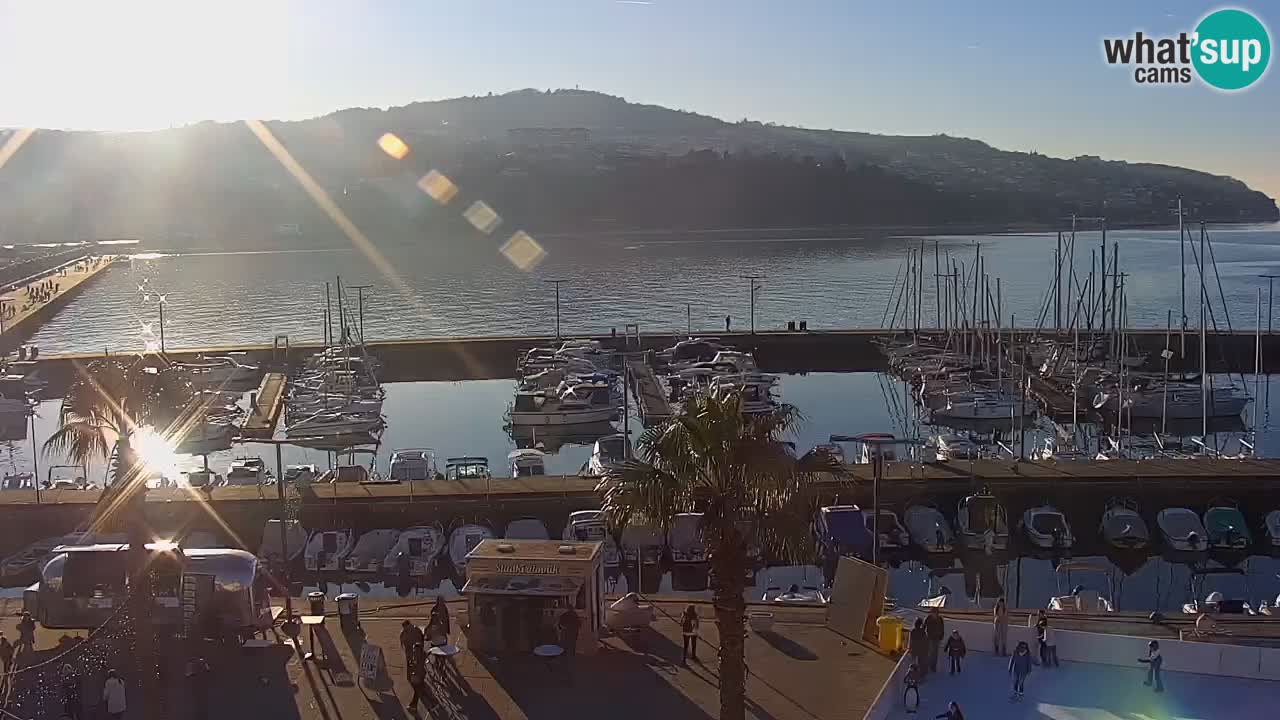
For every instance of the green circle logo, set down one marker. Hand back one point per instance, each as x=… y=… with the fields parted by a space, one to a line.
x=1232 y=49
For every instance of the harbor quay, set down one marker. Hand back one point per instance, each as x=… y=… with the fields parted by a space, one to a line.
x=776 y=351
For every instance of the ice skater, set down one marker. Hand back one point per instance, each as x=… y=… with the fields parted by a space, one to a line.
x=955 y=650
x=1153 y=662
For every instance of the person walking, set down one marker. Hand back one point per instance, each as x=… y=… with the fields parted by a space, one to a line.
x=726 y=323
x=955 y=650
x=918 y=642
x=440 y=616
x=418 y=681
x=1153 y=662
x=1020 y=668
x=113 y=696
x=1048 y=650
x=689 y=628
x=411 y=642
x=6 y=653
x=952 y=713
x=1000 y=628
x=26 y=635
x=568 y=626
x=934 y=629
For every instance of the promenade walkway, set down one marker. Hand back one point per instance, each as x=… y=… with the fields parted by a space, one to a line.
x=21 y=303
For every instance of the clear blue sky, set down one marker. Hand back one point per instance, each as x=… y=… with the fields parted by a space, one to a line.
x=1019 y=75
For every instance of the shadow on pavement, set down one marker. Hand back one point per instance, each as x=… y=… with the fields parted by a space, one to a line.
x=787 y=646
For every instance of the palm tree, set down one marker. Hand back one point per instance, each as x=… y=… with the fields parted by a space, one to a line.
x=105 y=406
x=742 y=474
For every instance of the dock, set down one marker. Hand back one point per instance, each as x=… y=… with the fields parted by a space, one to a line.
x=22 y=313
x=654 y=407
x=264 y=412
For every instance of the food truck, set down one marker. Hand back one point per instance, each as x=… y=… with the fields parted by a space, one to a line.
x=519 y=592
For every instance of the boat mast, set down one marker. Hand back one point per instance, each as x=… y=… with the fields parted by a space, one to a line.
x=1257 y=364
x=1164 y=400
x=1204 y=370
x=937 y=290
x=1182 y=254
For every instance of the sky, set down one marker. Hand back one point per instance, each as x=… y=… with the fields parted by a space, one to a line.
x=1018 y=75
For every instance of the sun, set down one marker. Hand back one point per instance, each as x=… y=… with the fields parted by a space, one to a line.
x=156 y=453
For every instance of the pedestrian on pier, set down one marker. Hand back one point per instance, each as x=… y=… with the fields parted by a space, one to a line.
x=1000 y=626
x=689 y=629
x=411 y=641
x=1020 y=668
x=955 y=650
x=113 y=696
x=1154 y=662
x=1048 y=650
x=26 y=635
x=935 y=630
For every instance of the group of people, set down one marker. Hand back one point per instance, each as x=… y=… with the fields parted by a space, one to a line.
x=414 y=641
x=926 y=640
x=42 y=291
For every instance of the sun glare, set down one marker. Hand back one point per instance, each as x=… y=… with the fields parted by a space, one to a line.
x=157 y=454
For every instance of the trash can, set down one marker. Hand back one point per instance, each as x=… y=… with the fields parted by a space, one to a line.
x=349 y=610
x=315 y=599
x=890 y=630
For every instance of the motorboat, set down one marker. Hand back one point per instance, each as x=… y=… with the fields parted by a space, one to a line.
x=466 y=468
x=415 y=551
x=410 y=464
x=801 y=593
x=872 y=444
x=1122 y=527
x=271 y=552
x=589 y=526
x=223 y=370
x=526 y=528
x=463 y=540
x=1215 y=603
x=1047 y=528
x=1271 y=527
x=201 y=539
x=893 y=535
x=1181 y=529
x=684 y=539
x=540 y=408
x=527 y=462
x=741 y=362
x=953 y=446
x=347 y=474
x=1082 y=599
x=841 y=530
x=370 y=550
x=301 y=475
x=206 y=437
x=929 y=529
x=1226 y=527
x=641 y=544
x=982 y=522
x=833 y=450
x=327 y=550
x=247 y=471
x=608 y=451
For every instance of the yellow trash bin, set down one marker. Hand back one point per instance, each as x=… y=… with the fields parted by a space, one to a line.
x=890 y=629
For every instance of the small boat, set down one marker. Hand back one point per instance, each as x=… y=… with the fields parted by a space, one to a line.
x=953 y=446
x=327 y=550
x=1271 y=526
x=982 y=522
x=842 y=530
x=301 y=474
x=410 y=464
x=801 y=593
x=370 y=550
x=1122 y=527
x=331 y=424
x=1215 y=603
x=1175 y=401
x=526 y=528
x=929 y=529
x=984 y=406
x=272 y=552
x=1226 y=527
x=220 y=370
x=462 y=541
x=540 y=408
x=201 y=539
x=1181 y=529
x=641 y=544
x=414 y=552
x=589 y=526
x=1047 y=528
x=684 y=539
x=247 y=471
x=608 y=451
x=893 y=535
x=834 y=450
x=527 y=462
x=466 y=468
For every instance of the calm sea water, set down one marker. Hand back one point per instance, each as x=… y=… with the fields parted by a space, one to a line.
x=445 y=286
x=466 y=418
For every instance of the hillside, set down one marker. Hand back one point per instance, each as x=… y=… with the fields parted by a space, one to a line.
x=567 y=161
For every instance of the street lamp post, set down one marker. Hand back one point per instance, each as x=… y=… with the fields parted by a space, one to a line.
x=557 y=284
x=753 y=288
x=35 y=454
x=875 y=441
x=162 y=303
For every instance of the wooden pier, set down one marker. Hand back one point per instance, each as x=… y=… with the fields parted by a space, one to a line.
x=268 y=402
x=654 y=407
x=22 y=313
